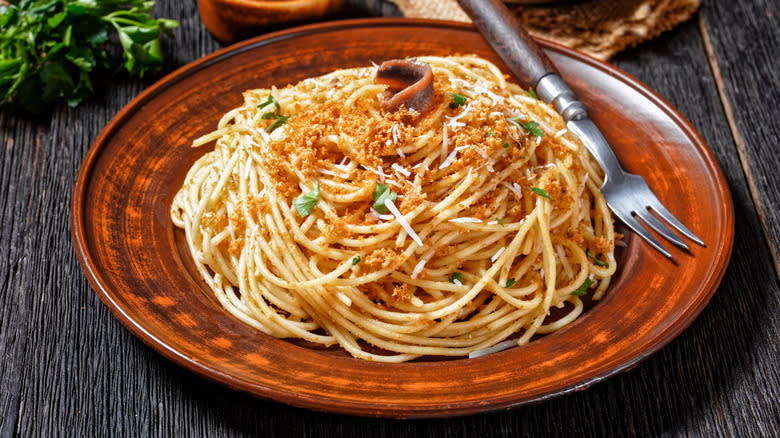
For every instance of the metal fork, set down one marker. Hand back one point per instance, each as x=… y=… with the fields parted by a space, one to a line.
x=627 y=194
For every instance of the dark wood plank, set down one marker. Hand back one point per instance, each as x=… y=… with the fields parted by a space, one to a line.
x=726 y=357
x=69 y=368
x=20 y=153
x=746 y=42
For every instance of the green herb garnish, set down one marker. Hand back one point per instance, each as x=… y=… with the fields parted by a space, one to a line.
x=278 y=118
x=270 y=100
x=499 y=221
x=532 y=93
x=58 y=50
x=382 y=192
x=595 y=259
x=457 y=100
x=583 y=288
x=491 y=134
x=355 y=260
x=530 y=126
x=305 y=203
x=506 y=145
x=456 y=276
x=541 y=193
x=510 y=283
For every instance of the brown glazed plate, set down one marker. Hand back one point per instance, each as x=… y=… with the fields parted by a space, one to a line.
x=140 y=267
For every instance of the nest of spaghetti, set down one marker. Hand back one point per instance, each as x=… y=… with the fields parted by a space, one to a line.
x=398 y=233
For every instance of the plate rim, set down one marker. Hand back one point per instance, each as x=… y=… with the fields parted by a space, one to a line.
x=327 y=404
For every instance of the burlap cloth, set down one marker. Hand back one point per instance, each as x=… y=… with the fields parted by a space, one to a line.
x=599 y=28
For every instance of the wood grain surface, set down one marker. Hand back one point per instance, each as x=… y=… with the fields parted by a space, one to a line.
x=69 y=368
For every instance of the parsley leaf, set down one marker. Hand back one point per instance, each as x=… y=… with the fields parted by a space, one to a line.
x=491 y=134
x=305 y=203
x=583 y=288
x=530 y=126
x=279 y=119
x=532 y=93
x=456 y=276
x=533 y=128
x=541 y=193
x=595 y=259
x=270 y=101
x=355 y=260
x=499 y=221
x=57 y=50
x=510 y=283
x=457 y=100
x=506 y=145
x=382 y=192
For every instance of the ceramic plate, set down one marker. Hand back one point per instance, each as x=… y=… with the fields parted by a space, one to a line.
x=140 y=267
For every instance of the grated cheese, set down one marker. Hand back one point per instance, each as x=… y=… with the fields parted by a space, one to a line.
x=418 y=268
x=331 y=173
x=450 y=158
x=376 y=214
x=516 y=191
x=471 y=220
x=501 y=346
x=402 y=220
x=479 y=88
x=497 y=255
x=400 y=170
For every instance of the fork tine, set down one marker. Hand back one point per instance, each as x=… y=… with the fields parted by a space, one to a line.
x=659 y=208
x=636 y=227
x=660 y=228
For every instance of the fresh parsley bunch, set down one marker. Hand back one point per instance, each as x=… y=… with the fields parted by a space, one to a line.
x=53 y=50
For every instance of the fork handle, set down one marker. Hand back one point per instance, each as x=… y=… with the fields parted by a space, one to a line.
x=515 y=46
x=522 y=55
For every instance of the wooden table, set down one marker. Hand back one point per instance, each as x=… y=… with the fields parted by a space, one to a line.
x=69 y=368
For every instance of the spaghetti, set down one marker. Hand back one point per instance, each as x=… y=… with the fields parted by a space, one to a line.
x=398 y=234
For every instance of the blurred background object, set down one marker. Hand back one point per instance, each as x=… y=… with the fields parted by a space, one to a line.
x=233 y=20
x=600 y=28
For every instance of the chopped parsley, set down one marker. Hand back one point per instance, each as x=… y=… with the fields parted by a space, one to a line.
x=278 y=118
x=583 y=288
x=457 y=100
x=305 y=203
x=355 y=260
x=270 y=100
x=506 y=145
x=541 y=193
x=382 y=192
x=491 y=134
x=532 y=93
x=530 y=126
x=456 y=276
x=510 y=282
x=499 y=221
x=595 y=259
